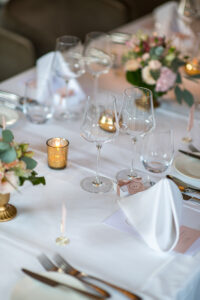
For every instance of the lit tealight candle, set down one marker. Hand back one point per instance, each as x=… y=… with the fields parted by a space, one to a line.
x=193 y=67
x=57 y=149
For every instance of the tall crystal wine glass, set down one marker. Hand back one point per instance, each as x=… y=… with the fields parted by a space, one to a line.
x=100 y=125
x=98 y=55
x=68 y=63
x=137 y=118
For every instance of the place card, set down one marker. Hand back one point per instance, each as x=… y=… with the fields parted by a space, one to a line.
x=130 y=187
x=188 y=237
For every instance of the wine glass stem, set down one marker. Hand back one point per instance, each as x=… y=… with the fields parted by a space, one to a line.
x=99 y=146
x=96 y=80
x=132 y=172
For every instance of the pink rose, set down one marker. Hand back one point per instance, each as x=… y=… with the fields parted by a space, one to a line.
x=166 y=80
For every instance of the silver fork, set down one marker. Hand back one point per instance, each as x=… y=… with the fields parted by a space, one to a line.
x=68 y=269
x=50 y=266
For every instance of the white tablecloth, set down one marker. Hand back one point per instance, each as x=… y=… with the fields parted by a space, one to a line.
x=94 y=247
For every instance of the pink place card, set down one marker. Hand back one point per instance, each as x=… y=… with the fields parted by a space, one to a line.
x=188 y=236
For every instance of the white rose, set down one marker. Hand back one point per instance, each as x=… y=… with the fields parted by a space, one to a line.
x=132 y=65
x=145 y=56
x=146 y=75
x=6 y=187
x=155 y=64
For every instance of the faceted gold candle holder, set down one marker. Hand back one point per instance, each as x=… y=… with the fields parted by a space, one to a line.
x=57 y=151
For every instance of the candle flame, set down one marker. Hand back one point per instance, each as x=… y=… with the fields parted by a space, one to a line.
x=57 y=143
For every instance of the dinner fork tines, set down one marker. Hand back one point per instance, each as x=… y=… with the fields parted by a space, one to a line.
x=50 y=266
x=67 y=268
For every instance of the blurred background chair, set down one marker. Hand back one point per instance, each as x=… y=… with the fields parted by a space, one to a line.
x=29 y=28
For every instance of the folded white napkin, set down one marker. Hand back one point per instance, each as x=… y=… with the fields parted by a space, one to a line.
x=155 y=214
x=169 y=23
x=45 y=77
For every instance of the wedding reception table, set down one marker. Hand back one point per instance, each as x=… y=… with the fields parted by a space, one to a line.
x=94 y=247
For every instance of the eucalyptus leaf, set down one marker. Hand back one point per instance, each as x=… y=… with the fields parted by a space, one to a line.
x=30 y=163
x=178 y=93
x=7 y=136
x=188 y=97
x=9 y=155
x=4 y=146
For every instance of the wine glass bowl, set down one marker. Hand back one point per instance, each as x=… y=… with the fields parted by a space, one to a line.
x=97 y=128
x=157 y=151
x=97 y=53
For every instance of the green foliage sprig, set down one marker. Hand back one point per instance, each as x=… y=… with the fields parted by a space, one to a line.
x=16 y=157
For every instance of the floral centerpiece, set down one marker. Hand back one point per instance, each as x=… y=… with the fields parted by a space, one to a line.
x=154 y=63
x=16 y=166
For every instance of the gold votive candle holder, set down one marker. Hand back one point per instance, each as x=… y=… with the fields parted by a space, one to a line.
x=193 y=67
x=57 y=152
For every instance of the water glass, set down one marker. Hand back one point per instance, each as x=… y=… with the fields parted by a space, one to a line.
x=157 y=151
x=38 y=101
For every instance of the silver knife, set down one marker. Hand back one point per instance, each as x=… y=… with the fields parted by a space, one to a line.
x=190 y=154
x=189 y=198
x=55 y=283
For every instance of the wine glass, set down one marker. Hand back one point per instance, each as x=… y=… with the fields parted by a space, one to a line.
x=100 y=125
x=137 y=119
x=98 y=56
x=68 y=63
x=158 y=151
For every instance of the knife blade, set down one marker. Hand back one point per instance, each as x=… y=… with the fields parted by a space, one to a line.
x=183 y=186
x=189 y=198
x=55 y=283
x=190 y=154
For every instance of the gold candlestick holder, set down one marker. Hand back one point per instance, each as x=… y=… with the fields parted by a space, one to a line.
x=57 y=150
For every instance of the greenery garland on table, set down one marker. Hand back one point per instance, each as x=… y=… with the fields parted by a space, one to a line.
x=154 y=63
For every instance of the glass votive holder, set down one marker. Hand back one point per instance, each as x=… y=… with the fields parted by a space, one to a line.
x=57 y=151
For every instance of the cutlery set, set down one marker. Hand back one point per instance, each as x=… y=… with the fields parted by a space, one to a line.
x=186 y=188
x=62 y=266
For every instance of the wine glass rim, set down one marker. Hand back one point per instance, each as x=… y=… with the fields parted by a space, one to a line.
x=137 y=88
x=60 y=138
x=97 y=32
x=67 y=39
